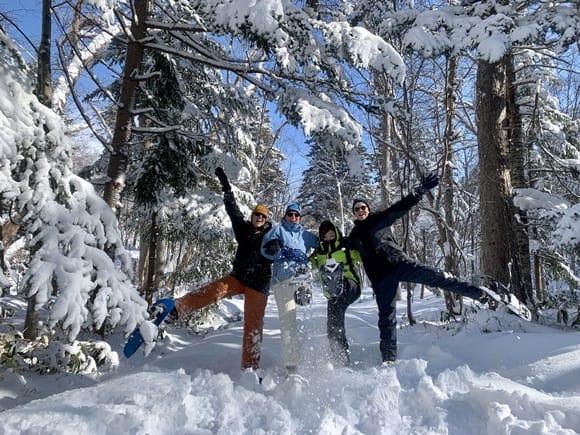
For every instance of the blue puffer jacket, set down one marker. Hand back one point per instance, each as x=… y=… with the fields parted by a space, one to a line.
x=298 y=241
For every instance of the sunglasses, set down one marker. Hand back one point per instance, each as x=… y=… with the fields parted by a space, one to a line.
x=360 y=208
x=292 y=214
x=260 y=215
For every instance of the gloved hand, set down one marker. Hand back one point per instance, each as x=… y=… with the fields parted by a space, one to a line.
x=294 y=255
x=272 y=247
x=428 y=182
x=345 y=243
x=223 y=180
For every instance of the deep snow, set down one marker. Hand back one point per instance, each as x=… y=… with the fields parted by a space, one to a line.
x=494 y=374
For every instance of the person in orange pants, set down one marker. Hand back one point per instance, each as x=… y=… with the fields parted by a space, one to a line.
x=250 y=276
x=254 y=309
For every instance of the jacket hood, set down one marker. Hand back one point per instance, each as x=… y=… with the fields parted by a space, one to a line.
x=327 y=225
x=327 y=247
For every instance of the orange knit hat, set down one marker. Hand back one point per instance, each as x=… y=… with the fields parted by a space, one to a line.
x=261 y=208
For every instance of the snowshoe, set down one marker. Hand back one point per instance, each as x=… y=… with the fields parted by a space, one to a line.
x=332 y=278
x=303 y=295
x=302 y=279
x=158 y=311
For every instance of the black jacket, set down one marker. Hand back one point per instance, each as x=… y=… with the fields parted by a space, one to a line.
x=249 y=266
x=374 y=239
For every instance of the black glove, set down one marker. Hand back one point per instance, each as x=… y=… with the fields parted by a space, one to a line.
x=223 y=180
x=345 y=243
x=272 y=247
x=428 y=182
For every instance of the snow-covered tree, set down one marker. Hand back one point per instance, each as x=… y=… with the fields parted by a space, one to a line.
x=329 y=186
x=488 y=30
x=68 y=226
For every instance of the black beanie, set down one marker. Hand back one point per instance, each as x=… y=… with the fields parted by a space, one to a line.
x=364 y=201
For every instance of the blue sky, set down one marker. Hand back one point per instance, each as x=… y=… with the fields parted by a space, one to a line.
x=26 y=14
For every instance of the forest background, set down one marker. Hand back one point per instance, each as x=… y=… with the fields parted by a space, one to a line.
x=484 y=93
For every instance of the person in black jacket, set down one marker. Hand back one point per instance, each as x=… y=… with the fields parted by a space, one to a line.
x=250 y=276
x=386 y=264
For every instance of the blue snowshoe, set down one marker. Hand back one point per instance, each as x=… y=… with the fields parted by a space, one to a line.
x=159 y=312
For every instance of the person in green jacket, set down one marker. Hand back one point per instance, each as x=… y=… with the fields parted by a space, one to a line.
x=341 y=284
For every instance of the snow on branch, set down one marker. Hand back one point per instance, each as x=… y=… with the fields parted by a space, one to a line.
x=366 y=50
x=70 y=229
x=562 y=216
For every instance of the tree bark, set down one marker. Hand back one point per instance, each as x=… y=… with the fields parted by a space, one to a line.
x=446 y=236
x=497 y=252
x=123 y=126
x=539 y=279
x=522 y=269
x=44 y=81
x=150 y=276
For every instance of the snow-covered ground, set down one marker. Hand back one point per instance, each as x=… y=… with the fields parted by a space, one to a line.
x=494 y=375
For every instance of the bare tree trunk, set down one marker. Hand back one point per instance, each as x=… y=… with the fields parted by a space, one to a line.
x=446 y=237
x=522 y=269
x=143 y=256
x=539 y=279
x=123 y=125
x=494 y=174
x=44 y=81
x=148 y=286
x=160 y=261
x=383 y=152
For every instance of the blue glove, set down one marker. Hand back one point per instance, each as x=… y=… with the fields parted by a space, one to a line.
x=293 y=254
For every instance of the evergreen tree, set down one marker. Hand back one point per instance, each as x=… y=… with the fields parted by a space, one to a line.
x=329 y=185
x=69 y=226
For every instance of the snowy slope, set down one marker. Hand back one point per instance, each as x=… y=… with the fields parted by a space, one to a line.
x=492 y=375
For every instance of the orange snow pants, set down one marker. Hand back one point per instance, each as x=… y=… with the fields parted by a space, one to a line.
x=254 y=309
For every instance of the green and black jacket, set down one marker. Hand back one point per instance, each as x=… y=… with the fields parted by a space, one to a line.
x=337 y=250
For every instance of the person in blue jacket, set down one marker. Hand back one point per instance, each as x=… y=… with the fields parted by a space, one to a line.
x=288 y=245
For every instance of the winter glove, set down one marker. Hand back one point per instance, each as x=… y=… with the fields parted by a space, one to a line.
x=294 y=255
x=428 y=182
x=345 y=243
x=272 y=247
x=223 y=180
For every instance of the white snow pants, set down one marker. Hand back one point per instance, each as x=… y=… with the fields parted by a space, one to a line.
x=284 y=294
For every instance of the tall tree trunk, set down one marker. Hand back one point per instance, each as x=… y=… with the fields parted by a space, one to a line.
x=522 y=269
x=44 y=81
x=386 y=133
x=539 y=279
x=446 y=237
x=497 y=252
x=149 y=284
x=160 y=261
x=123 y=125
x=44 y=95
x=143 y=257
